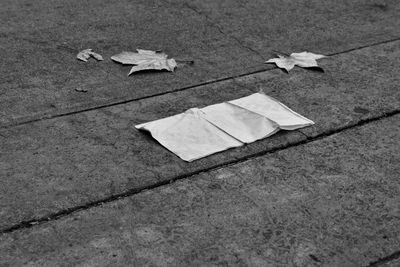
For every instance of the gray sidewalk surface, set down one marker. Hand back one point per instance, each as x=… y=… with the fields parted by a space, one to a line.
x=332 y=202
x=80 y=186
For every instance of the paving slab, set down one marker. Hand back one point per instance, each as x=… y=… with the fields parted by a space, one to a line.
x=63 y=163
x=52 y=33
x=354 y=87
x=39 y=43
x=294 y=26
x=331 y=202
x=57 y=164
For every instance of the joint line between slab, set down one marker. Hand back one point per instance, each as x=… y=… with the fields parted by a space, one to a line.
x=131 y=192
x=384 y=260
x=266 y=69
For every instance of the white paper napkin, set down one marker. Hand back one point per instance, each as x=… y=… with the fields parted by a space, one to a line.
x=198 y=133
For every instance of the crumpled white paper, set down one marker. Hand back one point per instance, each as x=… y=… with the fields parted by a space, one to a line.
x=198 y=133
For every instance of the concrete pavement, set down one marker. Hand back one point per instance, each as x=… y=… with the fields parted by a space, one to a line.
x=64 y=152
x=331 y=202
x=98 y=155
x=226 y=38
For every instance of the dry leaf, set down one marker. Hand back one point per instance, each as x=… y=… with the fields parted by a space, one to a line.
x=303 y=59
x=79 y=89
x=145 y=60
x=84 y=55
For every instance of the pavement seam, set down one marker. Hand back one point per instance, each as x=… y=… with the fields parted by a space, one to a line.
x=220 y=29
x=122 y=102
x=213 y=81
x=384 y=260
x=364 y=46
x=301 y=132
x=131 y=192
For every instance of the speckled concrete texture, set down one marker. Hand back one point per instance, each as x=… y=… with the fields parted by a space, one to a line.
x=52 y=33
x=39 y=43
x=332 y=202
x=57 y=164
x=392 y=263
x=354 y=87
x=80 y=186
x=287 y=26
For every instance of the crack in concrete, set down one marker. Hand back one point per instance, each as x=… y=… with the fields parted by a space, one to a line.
x=27 y=120
x=384 y=260
x=131 y=192
x=306 y=136
x=220 y=29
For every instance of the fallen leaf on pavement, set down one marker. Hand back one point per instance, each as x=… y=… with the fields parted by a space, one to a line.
x=84 y=55
x=83 y=90
x=145 y=60
x=303 y=59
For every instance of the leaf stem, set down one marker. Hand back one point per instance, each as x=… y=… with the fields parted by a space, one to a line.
x=185 y=61
x=280 y=53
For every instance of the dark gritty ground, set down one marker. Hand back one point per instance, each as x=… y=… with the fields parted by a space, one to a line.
x=80 y=186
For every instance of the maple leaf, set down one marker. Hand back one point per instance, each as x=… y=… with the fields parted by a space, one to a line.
x=84 y=55
x=303 y=59
x=145 y=60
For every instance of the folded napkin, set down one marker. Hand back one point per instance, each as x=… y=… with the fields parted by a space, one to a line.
x=198 y=133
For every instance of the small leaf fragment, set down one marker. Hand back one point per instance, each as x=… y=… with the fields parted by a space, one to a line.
x=84 y=55
x=145 y=60
x=303 y=59
x=79 y=89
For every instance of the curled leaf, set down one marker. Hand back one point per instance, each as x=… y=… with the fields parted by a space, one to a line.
x=303 y=59
x=145 y=60
x=84 y=55
x=79 y=89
